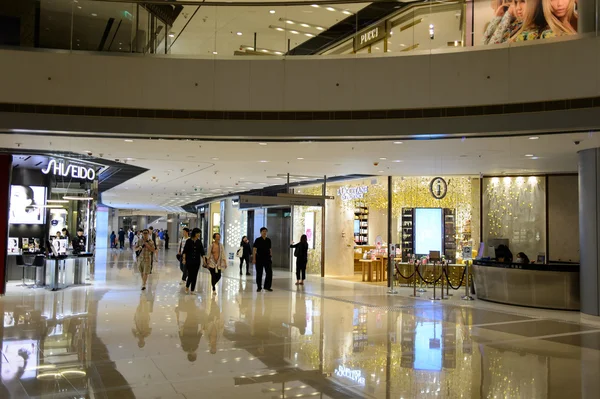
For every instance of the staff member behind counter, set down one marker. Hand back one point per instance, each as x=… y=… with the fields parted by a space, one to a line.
x=79 y=242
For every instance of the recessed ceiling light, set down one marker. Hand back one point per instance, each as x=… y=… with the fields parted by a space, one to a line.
x=128 y=141
x=320 y=28
x=239 y=33
x=305 y=25
x=94 y=14
x=315 y=6
x=398 y=142
x=263 y=161
x=262 y=143
x=278 y=53
x=347 y=12
x=171 y=34
x=309 y=35
x=300 y=159
x=215 y=53
x=272 y=11
x=294 y=32
x=533 y=138
x=330 y=9
x=215 y=159
x=397 y=161
x=280 y=29
x=290 y=22
x=382 y=159
x=534 y=158
x=265 y=50
x=381 y=171
x=528 y=155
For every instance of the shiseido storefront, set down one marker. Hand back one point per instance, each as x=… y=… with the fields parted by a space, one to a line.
x=48 y=200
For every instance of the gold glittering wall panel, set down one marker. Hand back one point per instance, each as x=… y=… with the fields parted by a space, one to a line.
x=314 y=255
x=515 y=208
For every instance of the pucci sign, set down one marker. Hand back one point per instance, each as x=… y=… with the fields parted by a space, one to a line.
x=369 y=36
x=67 y=170
x=352 y=193
x=352 y=375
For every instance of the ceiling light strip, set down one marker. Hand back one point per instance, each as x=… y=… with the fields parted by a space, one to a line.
x=292 y=31
x=261 y=50
x=303 y=24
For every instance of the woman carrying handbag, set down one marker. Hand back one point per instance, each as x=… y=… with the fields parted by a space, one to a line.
x=216 y=261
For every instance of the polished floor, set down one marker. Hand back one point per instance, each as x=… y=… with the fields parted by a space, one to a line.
x=327 y=339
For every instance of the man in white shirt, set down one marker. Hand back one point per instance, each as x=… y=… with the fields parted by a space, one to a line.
x=182 y=241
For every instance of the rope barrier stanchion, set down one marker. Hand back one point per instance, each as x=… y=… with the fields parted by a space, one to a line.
x=434 y=297
x=448 y=294
x=421 y=289
x=391 y=291
x=467 y=296
x=415 y=272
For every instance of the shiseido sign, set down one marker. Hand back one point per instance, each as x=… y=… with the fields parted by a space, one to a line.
x=68 y=170
x=369 y=36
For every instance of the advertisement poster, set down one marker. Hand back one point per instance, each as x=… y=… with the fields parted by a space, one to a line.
x=309 y=229
x=27 y=204
x=501 y=21
x=13 y=245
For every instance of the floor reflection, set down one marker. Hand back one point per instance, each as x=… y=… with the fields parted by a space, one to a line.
x=307 y=341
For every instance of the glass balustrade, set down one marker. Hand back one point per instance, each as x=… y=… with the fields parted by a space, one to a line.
x=280 y=29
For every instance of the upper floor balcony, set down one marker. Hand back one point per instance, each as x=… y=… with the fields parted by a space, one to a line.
x=285 y=29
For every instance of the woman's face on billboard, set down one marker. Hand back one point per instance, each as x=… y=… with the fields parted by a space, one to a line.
x=559 y=7
x=19 y=198
x=520 y=6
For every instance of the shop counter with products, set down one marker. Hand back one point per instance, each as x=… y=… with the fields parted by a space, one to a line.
x=549 y=286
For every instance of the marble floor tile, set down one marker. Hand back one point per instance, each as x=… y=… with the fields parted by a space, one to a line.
x=329 y=339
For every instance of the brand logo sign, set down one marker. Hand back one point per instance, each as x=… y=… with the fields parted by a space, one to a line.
x=68 y=170
x=438 y=188
x=353 y=375
x=352 y=193
x=370 y=36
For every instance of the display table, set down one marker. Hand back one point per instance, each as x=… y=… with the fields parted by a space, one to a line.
x=65 y=271
x=551 y=286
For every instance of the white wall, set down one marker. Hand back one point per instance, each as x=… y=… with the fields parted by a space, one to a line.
x=485 y=75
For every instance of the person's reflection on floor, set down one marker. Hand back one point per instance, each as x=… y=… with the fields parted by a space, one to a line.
x=244 y=298
x=262 y=321
x=214 y=326
x=300 y=312
x=141 y=321
x=190 y=332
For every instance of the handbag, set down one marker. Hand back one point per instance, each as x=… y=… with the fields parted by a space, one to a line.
x=178 y=256
x=240 y=252
x=296 y=252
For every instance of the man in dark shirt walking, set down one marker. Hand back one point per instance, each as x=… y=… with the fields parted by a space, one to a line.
x=122 y=238
x=192 y=255
x=261 y=257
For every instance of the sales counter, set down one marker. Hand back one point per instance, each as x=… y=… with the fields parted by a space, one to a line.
x=54 y=274
x=549 y=286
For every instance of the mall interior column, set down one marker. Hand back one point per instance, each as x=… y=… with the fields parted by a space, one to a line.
x=589 y=230
x=5 y=176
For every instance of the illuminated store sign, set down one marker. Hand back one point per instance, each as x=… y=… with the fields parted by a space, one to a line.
x=353 y=375
x=438 y=188
x=370 y=36
x=68 y=170
x=352 y=193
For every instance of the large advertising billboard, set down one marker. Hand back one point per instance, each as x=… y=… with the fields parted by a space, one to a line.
x=502 y=21
x=27 y=204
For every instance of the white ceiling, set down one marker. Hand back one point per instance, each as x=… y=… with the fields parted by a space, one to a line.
x=182 y=171
x=215 y=29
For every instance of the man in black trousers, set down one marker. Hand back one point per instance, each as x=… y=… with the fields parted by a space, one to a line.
x=261 y=257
